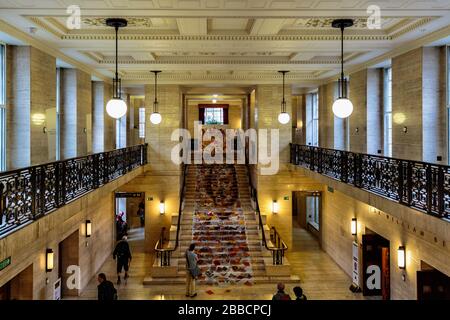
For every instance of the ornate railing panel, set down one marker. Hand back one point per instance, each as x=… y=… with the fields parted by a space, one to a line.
x=420 y=185
x=30 y=193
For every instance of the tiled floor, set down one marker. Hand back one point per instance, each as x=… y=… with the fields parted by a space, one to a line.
x=320 y=277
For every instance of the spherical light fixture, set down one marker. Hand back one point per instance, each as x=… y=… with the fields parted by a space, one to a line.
x=283 y=117
x=116 y=107
x=155 y=117
x=342 y=107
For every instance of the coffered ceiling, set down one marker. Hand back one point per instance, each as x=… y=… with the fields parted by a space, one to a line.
x=212 y=42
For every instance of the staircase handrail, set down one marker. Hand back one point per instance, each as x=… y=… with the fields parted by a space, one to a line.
x=278 y=246
x=165 y=253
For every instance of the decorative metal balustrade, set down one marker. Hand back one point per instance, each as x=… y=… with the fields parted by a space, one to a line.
x=28 y=194
x=419 y=185
x=163 y=251
x=276 y=245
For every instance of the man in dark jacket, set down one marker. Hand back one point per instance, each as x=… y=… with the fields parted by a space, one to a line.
x=123 y=254
x=106 y=290
x=281 y=295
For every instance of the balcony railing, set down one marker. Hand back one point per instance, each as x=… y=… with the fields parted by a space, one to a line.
x=419 y=185
x=28 y=194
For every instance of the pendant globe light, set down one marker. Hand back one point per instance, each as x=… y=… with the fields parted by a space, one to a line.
x=283 y=117
x=342 y=107
x=116 y=107
x=155 y=117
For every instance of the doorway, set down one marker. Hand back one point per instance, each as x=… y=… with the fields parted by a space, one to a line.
x=129 y=212
x=432 y=284
x=306 y=211
x=376 y=265
x=68 y=255
x=20 y=287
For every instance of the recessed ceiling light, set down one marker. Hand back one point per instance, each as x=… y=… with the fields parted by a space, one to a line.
x=214 y=101
x=215 y=95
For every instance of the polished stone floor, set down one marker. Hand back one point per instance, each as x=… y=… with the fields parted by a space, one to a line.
x=321 y=278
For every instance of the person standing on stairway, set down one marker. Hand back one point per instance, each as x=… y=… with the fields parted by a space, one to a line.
x=192 y=271
x=123 y=254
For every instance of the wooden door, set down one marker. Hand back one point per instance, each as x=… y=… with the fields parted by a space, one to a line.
x=432 y=285
x=385 y=274
x=5 y=291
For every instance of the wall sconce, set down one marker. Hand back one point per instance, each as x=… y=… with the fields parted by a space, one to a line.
x=401 y=257
x=274 y=206
x=88 y=228
x=405 y=129
x=354 y=227
x=49 y=260
x=162 y=207
x=44 y=130
x=357 y=130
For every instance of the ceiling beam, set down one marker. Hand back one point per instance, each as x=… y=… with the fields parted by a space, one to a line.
x=193 y=26
x=143 y=56
x=266 y=26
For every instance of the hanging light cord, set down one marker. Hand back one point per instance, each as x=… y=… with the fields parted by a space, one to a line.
x=283 y=102
x=342 y=52
x=155 y=102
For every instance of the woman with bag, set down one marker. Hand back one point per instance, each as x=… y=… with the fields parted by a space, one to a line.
x=192 y=271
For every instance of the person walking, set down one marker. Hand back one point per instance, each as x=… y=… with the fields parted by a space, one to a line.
x=123 y=254
x=192 y=271
x=281 y=295
x=106 y=290
x=141 y=213
x=298 y=291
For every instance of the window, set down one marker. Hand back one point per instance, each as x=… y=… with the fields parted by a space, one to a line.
x=312 y=211
x=58 y=108
x=2 y=107
x=214 y=116
x=448 y=100
x=387 y=103
x=312 y=119
x=142 y=123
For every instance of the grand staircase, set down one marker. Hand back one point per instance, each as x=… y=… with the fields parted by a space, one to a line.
x=218 y=216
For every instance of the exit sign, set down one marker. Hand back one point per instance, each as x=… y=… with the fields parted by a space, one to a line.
x=5 y=263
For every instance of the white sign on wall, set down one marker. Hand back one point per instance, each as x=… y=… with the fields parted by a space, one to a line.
x=57 y=290
x=355 y=264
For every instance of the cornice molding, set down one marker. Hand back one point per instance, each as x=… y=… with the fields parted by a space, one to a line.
x=411 y=27
x=147 y=37
x=430 y=38
x=219 y=61
x=45 y=47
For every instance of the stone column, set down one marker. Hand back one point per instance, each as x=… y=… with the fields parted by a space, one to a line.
x=326 y=116
x=103 y=126
x=75 y=106
x=418 y=128
x=358 y=119
x=275 y=186
x=366 y=122
x=375 y=116
x=299 y=119
x=31 y=105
